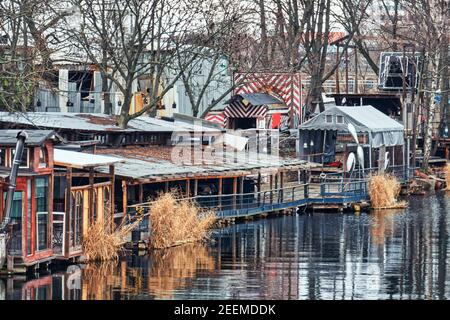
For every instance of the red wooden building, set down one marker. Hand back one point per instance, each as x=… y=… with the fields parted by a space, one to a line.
x=31 y=215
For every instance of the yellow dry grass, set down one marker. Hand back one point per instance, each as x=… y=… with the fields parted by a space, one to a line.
x=101 y=243
x=175 y=222
x=383 y=191
x=447 y=176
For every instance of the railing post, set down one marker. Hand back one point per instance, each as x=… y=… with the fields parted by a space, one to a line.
x=258 y=187
x=305 y=184
x=220 y=193
x=281 y=186
x=271 y=188
x=234 y=192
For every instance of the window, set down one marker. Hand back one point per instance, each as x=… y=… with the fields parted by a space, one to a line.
x=25 y=158
x=42 y=212
x=329 y=118
x=43 y=157
x=76 y=214
x=339 y=119
x=16 y=222
x=3 y=157
x=106 y=203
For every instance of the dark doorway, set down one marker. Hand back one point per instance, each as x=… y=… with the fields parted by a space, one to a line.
x=242 y=123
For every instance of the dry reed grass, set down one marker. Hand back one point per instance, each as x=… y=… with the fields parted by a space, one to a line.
x=101 y=243
x=384 y=190
x=447 y=176
x=175 y=221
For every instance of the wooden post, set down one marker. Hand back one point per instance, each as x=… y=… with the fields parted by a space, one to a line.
x=50 y=210
x=276 y=188
x=281 y=185
x=381 y=157
x=271 y=188
x=112 y=178
x=141 y=193
x=195 y=187
x=188 y=188
x=91 y=195
x=241 y=190
x=166 y=186
x=124 y=197
x=258 y=188
x=305 y=181
x=68 y=213
x=234 y=191
x=220 y=192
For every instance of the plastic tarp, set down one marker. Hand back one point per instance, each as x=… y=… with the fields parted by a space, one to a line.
x=231 y=140
x=383 y=130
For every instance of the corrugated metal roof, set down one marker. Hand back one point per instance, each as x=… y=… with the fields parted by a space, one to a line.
x=35 y=137
x=364 y=118
x=95 y=122
x=157 y=169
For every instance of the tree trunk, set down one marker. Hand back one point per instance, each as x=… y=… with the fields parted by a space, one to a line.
x=106 y=95
x=124 y=117
x=428 y=139
x=263 y=27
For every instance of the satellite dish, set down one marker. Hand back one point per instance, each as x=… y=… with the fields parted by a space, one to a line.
x=351 y=162
x=352 y=130
x=386 y=160
x=360 y=153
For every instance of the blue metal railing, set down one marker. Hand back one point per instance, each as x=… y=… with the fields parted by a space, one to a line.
x=247 y=204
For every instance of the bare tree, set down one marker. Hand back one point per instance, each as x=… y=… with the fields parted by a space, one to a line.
x=429 y=23
x=29 y=33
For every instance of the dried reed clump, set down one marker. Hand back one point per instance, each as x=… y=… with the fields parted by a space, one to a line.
x=447 y=175
x=175 y=221
x=101 y=243
x=384 y=190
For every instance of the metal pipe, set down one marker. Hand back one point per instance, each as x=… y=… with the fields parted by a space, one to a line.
x=21 y=137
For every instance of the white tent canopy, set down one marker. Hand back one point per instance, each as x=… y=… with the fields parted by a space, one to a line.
x=382 y=129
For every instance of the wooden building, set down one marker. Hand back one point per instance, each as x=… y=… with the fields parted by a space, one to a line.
x=32 y=209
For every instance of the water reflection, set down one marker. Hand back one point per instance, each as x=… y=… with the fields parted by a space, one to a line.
x=383 y=255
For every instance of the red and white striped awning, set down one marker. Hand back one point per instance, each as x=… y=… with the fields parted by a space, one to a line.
x=237 y=109
x=217 y=117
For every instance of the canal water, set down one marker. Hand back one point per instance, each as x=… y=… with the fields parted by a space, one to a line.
x=397 y=254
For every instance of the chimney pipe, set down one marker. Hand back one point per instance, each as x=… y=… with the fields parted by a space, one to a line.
x=21 y=137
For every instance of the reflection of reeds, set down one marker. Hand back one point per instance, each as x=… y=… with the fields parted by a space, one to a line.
x=172 y=267
x=97 y=280
x=175 y=222
x=381 y=225
x=383 y=191
x=170 y=270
